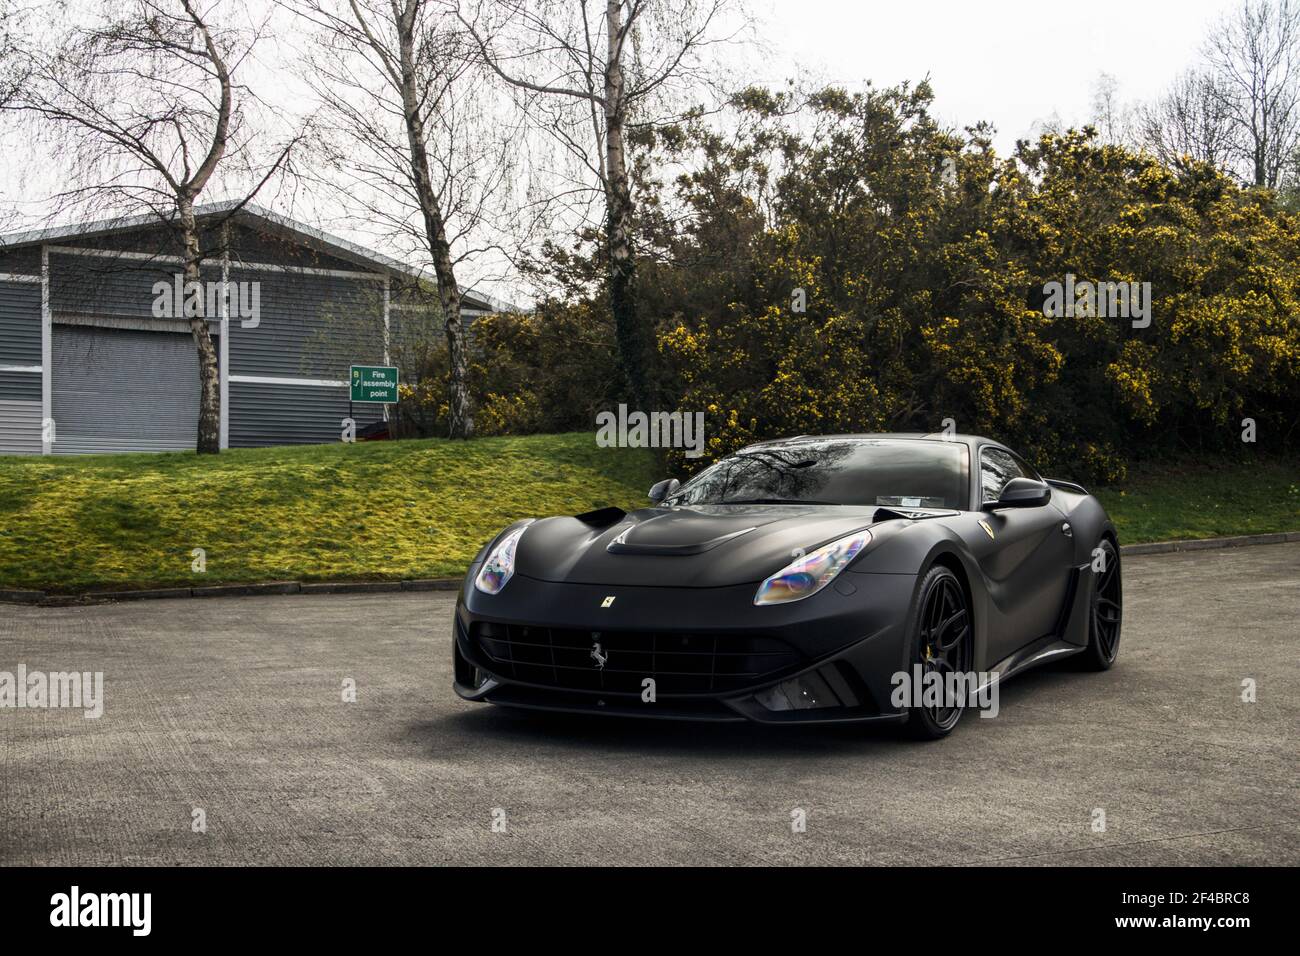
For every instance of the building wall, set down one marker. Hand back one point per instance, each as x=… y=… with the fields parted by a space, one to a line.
x=20 y=386
x=20 y=351
x=20 y=428
x=286 y=374
x=26 y=260
x=310 y=326
x=20 y=325
x=108 y=284
x=250 y=245
x=266 y=414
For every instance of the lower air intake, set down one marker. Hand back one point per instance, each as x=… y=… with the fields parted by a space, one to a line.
x=617 y=662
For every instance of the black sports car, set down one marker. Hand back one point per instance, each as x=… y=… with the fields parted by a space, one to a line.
x=794 y=581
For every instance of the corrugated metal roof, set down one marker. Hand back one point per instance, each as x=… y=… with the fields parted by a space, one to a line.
x=274 y=222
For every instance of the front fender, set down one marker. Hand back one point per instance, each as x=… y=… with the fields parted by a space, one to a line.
x=912 y=548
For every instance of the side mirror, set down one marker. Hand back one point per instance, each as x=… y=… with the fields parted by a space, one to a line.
x=663 y=489
x=1021 y=493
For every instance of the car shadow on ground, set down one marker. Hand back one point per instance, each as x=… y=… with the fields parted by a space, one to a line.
x=485 y=727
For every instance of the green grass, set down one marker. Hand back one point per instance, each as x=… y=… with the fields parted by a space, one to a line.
x=370 y=511
x=1170 y=503
x=420 y=509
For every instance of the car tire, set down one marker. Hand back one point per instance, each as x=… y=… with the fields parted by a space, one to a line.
x=1105 y=612
x=941 y=618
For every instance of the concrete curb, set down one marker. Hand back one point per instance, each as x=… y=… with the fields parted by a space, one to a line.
x=151 y=595
x=433 y=584
x=1206 y=544
x=40 y=598
x=247 y=590
x=356 y=587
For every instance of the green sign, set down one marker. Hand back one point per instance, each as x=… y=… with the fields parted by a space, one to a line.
x=374 y=383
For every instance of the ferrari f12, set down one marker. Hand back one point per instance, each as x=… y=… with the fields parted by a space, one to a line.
x=792 y=582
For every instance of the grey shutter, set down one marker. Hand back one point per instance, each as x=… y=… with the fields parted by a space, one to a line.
x=123 y=390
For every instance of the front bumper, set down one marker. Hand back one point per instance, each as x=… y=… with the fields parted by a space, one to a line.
x=708 y=653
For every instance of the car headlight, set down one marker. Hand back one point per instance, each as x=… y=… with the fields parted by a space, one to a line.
x=807 y=575
x=499 y=565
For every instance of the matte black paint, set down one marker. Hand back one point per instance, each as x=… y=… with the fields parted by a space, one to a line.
x=696 y=569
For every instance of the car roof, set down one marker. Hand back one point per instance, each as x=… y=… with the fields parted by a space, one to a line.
x=972 y=440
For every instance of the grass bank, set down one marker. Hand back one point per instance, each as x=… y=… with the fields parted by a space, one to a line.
x=369 y=511
x=421 y=509
x=1179 y=501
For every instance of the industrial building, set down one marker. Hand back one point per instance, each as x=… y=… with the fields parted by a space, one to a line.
x=96 y=354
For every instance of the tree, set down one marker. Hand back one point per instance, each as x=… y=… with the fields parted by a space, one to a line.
x=404 y=129
x=1111 y=118
x=923 y=292
x=139 y=102
x=1255 y=58
x=1190 y=122
x=9 y=75
x=593 y=73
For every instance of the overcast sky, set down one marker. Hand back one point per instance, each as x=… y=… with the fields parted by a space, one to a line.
x=1014 y=63
x=1011 y=62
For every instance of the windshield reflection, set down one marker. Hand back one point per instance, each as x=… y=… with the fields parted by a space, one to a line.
x=880 y=472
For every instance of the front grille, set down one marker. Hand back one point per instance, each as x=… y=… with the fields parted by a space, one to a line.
x=679 y=663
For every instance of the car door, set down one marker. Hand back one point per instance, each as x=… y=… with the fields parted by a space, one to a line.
x=1028 y=568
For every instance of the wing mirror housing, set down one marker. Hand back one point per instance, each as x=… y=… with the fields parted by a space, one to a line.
x=1021 y=493
x=663 y=489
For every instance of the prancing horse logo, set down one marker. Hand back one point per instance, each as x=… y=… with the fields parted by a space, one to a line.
x=608 y=602
x=599 y=656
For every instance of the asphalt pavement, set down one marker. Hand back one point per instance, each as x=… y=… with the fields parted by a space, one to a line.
x=226 y=738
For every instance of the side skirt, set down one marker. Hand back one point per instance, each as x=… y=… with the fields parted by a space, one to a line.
x=1031 y=655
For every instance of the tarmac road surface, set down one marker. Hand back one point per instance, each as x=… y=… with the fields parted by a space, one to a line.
x=234 y=707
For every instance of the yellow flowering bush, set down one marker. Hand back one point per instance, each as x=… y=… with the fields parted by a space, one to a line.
x=849 y=265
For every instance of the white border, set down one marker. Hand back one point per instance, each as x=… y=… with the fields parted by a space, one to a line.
x=251 y=266
x=277 y=380
x=47 y=353
x=223 y=347
x=387 y=360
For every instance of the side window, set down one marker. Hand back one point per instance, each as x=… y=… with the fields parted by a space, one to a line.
x=996 y=469
x=1027 y=470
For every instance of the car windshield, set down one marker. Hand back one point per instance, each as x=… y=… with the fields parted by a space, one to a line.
x=897 y=473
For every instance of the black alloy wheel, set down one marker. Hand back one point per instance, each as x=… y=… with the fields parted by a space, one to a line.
x=943 y=646
x=1107 y=611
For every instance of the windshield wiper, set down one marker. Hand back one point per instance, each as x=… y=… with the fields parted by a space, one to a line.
x=774 y=501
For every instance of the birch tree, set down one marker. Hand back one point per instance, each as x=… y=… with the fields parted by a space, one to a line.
x=405 y=135
x=592 y=73
x=1255 y=58
x=1190 y=122
x=138 y=102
